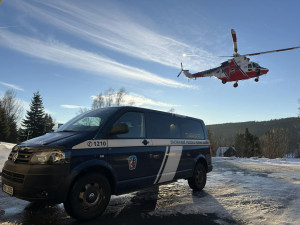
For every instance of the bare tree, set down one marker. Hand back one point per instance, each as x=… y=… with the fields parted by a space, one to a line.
x=131 y=102
x=275 y=143
x=82 y=110
x=172 y=110
x=120 y=96
x=12 y=106
x=14 y=112
x=109 y=97
x=98 y=101
x=213 y=143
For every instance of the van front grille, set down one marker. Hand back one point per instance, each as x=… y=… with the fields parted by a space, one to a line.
x=19 y=178
x=20 y=155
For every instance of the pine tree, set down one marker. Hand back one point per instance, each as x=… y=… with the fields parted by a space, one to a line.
x=48 y=124
x=247 y=144
x=13 y=137
x=240 y=143
x=297 y=154
x=34 y=120
x=4 y=126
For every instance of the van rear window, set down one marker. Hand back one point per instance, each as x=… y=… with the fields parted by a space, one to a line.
x=164 y=126
x=172 y=127
x=191 y=129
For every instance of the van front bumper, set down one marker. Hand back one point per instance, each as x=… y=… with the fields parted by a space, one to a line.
x=36 y=182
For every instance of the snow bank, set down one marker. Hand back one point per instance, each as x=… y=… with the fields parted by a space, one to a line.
x=5 y=149
x=277 y=162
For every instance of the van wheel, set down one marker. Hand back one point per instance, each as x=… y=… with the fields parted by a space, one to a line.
x=88 y=197
x=198 y=180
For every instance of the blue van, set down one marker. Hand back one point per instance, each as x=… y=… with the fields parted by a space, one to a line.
x=108 y=151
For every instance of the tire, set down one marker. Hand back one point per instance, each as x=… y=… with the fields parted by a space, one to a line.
x=88 y=197
x=198 y=180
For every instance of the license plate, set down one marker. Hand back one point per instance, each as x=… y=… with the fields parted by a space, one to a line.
x=8 y=189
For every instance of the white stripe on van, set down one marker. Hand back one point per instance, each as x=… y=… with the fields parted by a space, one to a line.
x=162 y=165
x=180 y=142
x=117 y=143
x=171 y=166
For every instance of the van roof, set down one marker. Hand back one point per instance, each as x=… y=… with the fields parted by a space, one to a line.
x=117 y=108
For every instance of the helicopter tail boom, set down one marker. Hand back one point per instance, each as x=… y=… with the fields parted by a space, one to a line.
x=188 y=74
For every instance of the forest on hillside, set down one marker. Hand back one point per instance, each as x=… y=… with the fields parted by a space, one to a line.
x=225 y=134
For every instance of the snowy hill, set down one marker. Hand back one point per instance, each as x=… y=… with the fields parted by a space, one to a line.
x=228 y=131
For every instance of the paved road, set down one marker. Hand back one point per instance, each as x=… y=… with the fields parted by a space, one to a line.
x=236 y=193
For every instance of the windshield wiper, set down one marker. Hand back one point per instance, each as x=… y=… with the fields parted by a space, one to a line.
x=67 y=131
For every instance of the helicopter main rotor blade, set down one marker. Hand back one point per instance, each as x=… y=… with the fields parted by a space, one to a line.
x=234 y=40
x=278 y=50
x=208 y=56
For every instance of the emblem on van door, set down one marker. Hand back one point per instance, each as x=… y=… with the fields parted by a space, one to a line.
x=132 y=161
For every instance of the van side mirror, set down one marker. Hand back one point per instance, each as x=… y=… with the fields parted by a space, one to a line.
x=120 y=128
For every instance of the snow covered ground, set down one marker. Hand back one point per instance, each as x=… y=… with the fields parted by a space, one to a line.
x=238 y=191
x=258 y=191
x=266 y=161
x=247 y=191
x=5 y=149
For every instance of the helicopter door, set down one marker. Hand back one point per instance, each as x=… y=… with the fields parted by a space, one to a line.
x=250 y=67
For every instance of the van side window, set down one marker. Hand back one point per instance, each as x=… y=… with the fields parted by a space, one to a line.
x=164 y=127
x=136 y=125
x=191 y=129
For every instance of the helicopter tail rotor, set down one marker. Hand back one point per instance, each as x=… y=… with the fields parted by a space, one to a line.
x=180 y=71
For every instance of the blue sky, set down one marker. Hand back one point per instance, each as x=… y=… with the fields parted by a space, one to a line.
x=70 y=51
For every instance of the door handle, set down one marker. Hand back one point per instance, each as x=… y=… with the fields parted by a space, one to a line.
x=145 y=142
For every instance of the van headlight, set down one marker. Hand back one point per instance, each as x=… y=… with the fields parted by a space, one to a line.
x=49 y=157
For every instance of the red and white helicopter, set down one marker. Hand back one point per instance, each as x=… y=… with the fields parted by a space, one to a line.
x=238 y=68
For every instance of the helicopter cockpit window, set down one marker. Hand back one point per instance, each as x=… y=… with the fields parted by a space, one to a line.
x=250 y=66
x=256 y=65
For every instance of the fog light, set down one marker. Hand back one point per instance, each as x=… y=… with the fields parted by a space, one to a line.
x=44 y=193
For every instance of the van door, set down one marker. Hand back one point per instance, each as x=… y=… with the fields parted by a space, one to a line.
x=129 y=153
x=165 y=134
x=193 y=133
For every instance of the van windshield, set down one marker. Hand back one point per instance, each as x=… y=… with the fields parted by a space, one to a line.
x=88 y=121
